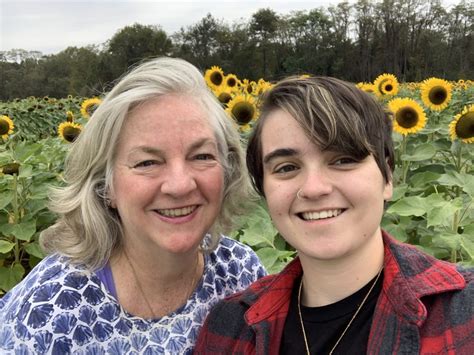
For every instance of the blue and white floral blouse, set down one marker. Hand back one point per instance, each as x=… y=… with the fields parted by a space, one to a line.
x=60 y=308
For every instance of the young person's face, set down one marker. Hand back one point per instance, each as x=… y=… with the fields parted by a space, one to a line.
x=341 y=200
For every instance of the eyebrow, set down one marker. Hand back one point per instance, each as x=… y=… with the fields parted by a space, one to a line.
x=282 y=152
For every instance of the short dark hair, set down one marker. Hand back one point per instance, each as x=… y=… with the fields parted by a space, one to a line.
x=335 y=115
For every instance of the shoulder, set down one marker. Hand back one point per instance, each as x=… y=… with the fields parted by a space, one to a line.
x=49 y=301
x=238 y=258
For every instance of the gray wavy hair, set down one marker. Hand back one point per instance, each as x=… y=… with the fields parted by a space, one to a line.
x=87 y=230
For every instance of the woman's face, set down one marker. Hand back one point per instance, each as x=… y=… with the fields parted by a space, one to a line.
x=168 y=180
x=342 y=199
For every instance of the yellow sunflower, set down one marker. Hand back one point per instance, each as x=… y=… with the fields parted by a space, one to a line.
x=231 y=80
x=408 y=115
x=89 y=106
x=436 y=93
x=69 y=131
x=6 y=126
x=367 y=87
x=262 y=86
x=243 y=109
x=249 y=87
x=386 y=84
x=224 y=95
x=214 y=76
x=462 y=127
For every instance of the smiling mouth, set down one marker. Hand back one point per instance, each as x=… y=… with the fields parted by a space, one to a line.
x=313 y=216
x=177 y=212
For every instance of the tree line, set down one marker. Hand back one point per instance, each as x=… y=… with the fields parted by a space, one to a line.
x=413 y=39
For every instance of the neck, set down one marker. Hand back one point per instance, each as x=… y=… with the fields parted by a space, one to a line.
x=328 y=281
x=152 y=288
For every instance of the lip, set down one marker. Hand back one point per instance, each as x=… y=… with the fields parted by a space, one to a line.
x=177 y=215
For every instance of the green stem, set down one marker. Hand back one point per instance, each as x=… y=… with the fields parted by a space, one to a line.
x=16 y=216
x=405 y=163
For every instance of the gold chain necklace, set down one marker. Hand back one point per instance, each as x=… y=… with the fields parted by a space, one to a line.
x=348 y=324
x=137 y=281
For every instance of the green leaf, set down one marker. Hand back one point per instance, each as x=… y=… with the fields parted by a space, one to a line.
x=398 y=192
x=26 y=151
x=10 y=276
x=6 y=246
x=35 y=250
x=443 y=213
x=423 y=179
x=26 y=171
x=24 y=230
x=270 y=256
x=450 y=240
x=5 y=198
x=422 y=152
x=468 y=246
x=259 y=230
x=408 y=206
x=398 y=231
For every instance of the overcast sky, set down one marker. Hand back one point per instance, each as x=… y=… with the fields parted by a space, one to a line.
x=49 y=26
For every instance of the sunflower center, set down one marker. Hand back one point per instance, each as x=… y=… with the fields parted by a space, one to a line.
x=4 y=127
x=465 y=126
x=231 y=82
x=91 y=108
x=407 y=117
x=71 y=133
x=216 y=78
x=438 y=95
x=243 y=112
x=10 y=169
x=224 y=97
x=388 y=87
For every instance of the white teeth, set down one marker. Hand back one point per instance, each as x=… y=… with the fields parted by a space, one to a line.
x=307 y=216
x=177 y=212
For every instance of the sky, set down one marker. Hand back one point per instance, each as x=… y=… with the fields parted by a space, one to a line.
x=50 y=26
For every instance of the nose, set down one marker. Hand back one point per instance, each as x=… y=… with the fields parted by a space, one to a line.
x=178 y=181
x=315 y=185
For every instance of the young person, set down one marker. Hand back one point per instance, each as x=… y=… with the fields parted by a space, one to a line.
x=322 y=156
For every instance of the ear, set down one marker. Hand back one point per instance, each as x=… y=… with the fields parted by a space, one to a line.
x=388 y=190
x=110 y=199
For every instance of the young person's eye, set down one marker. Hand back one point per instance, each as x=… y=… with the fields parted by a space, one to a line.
x=287 y=168
x=344 y=161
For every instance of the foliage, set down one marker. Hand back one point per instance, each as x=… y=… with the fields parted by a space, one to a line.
x=29 y=167
x=432 y=206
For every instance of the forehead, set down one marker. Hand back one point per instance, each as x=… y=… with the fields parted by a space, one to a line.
x=281 y=130
x=166 y=120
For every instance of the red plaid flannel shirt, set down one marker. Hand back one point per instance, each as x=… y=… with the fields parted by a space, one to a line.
x=426 y=306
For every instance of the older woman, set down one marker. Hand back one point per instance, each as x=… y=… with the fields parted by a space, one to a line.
x=322 y=157
x=137 y=258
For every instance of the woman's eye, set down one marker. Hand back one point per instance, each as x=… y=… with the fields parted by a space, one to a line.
x=204 y=156
x=285 y=169
x=145 y=164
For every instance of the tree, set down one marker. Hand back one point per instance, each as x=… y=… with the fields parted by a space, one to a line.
x=263 y=29
x=131 y=45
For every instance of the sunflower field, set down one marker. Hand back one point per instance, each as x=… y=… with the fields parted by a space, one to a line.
x=432 y=205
